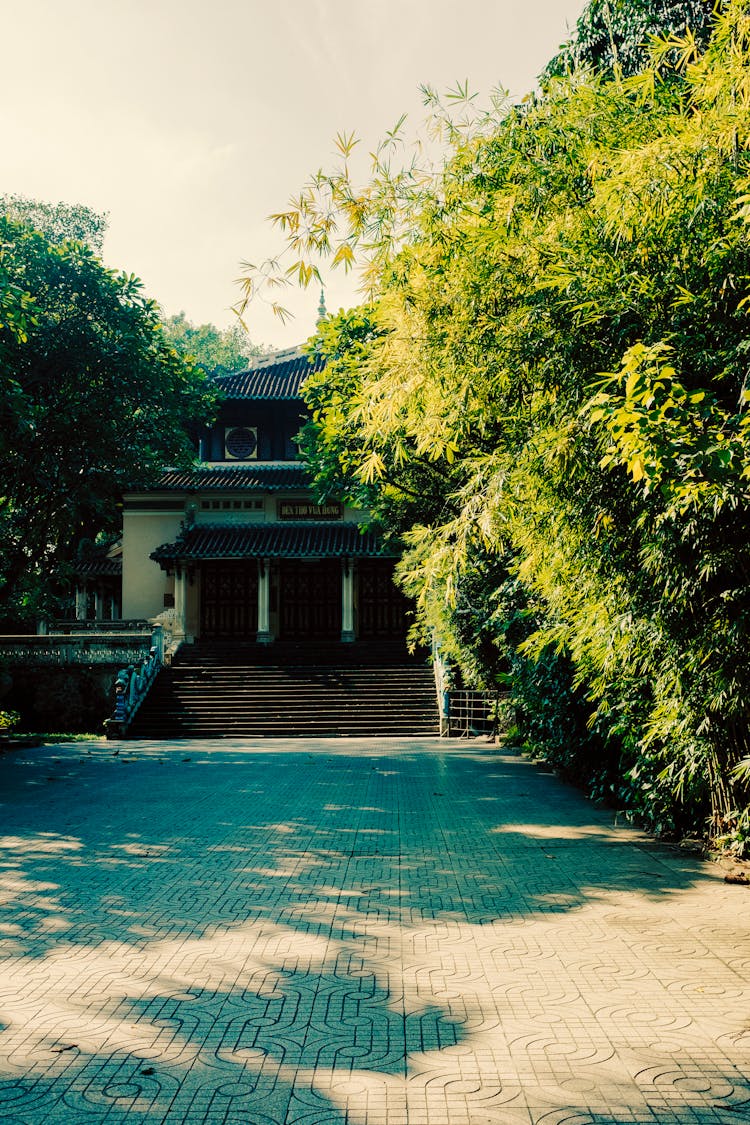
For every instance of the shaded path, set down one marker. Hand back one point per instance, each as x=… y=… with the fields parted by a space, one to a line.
x=354 y=933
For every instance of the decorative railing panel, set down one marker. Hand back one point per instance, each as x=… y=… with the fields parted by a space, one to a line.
x=101 y=625
x=133 y=684
x=86 y=647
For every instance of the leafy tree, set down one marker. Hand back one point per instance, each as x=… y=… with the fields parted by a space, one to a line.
x=557 y=333
x=213 y=348
x=92 y=399
x=617 y=34
x=397 y=485
x=58 y=221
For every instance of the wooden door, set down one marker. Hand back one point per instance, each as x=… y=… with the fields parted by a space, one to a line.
x=382 y=607
x=229 y=600
x=310 y=599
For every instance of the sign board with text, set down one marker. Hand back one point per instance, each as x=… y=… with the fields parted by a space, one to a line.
x=305 y=510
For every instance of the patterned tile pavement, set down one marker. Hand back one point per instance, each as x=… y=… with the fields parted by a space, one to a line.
x=354 y=933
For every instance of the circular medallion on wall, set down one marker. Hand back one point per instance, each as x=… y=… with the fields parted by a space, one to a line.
x=241 y=443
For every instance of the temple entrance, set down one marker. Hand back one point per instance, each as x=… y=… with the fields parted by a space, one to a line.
x=382 y=606
x=309 y=599
x=229 y=600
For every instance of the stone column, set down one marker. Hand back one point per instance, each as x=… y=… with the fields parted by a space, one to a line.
x=347 y=601
x=99 y=604
x=180 y=602
x=81 y=601
x=263 y=636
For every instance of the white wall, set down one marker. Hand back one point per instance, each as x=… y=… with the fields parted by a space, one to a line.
x=144 y=583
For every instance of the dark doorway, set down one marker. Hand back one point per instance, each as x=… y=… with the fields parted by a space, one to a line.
x=382 y=606
x=229 y=600
x=309 y=599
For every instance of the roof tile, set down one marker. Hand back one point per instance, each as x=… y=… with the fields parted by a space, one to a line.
x=272 y=540
x=271 y=378
x=256 y=478
x=98 y=568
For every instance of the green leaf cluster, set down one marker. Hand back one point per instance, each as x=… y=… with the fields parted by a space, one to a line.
x=213 y=349
x=93 y=401
x=74 y=222
x=616 y=35
x=549 y=403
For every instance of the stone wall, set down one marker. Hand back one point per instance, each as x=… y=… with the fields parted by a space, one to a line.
x=65 y=683
x=73 y=699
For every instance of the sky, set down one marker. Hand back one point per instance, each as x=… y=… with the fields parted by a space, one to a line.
x=190 y=122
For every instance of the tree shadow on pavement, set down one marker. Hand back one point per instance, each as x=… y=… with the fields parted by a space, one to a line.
x=195 y=935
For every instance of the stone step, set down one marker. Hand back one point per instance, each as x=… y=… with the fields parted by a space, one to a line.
x=301 y=654
x=194 y=691
x=203 y=700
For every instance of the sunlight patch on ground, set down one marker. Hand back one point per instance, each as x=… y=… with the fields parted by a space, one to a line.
x=42 y=842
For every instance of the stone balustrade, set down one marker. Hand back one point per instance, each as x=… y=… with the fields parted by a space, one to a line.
x=442 y=672
x=133 y=684
x=87 y=647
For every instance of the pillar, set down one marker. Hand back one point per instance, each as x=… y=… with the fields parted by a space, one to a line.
x=99 y=604
x=263 y=635
x=81 y=601
x=180 y=602
x=347 y=600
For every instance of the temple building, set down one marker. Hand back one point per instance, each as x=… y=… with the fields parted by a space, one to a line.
x=255 y=610
x=238 y=549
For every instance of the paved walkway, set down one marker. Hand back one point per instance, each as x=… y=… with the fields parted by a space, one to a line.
x=354 y=933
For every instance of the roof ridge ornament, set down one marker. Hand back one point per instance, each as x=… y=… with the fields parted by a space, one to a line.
x=322 y=311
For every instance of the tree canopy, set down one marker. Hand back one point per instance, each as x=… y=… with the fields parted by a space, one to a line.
x=547 y=396
x=617 y=34
x=57 y=221
x=212 y=348
x=93 y=401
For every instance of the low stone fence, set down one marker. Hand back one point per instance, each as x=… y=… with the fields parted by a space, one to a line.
x=65 y=681
x=67 y=626
x=64 y=649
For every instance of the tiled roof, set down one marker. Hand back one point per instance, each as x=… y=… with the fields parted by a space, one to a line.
x=272 y=377
x=257 y=478
x=99 y=568
x=272 y=540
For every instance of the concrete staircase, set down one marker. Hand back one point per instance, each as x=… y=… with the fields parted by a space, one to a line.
x=289 y=691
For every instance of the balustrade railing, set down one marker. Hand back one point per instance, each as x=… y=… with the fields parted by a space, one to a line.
x=63 y=626
x=133 y=684
x=87 y=647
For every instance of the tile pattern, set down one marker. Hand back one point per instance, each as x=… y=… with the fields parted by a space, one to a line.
x=354 y=933
x=274 y=377
x=274 y=541
x=249 y=478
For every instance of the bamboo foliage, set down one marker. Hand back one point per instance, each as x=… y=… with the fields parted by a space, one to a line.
x=548 y=400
